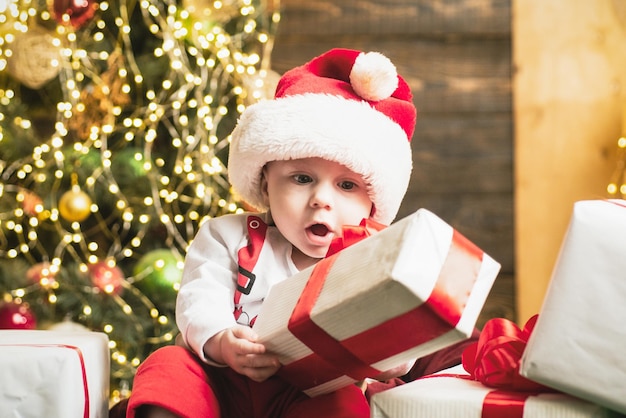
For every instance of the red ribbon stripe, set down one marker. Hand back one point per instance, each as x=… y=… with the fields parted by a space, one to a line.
x=502 y=403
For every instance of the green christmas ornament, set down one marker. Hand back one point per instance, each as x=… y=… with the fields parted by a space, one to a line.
x=128 y=168
x=129 y=163
x=159 y=272
x=82 y=161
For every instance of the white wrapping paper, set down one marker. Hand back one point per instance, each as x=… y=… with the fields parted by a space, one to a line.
x=420 y=262
x=54 y=374
x=453 y=397
x=579 y=341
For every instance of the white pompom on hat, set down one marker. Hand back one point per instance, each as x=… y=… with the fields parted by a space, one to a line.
x=345 y=106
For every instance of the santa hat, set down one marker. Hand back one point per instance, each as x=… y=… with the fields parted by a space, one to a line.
x=345 y=106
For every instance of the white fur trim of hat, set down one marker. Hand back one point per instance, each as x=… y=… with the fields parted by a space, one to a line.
x=344 y=106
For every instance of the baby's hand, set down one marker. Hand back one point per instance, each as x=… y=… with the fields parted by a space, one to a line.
x=237 y=348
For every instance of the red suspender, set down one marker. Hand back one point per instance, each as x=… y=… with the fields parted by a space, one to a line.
x=249 y=255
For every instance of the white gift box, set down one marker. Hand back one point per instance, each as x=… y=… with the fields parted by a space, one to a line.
x=579 y=341
x=446 y=396
x=54 y=374
x=403 y=293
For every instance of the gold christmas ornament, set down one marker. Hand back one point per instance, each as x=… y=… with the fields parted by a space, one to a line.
x=75 y=205
x=35 y=58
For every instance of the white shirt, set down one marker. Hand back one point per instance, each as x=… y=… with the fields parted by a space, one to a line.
x=205 y=302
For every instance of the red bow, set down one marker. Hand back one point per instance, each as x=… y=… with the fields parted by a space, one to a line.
x=351 y=234
x=495 y=359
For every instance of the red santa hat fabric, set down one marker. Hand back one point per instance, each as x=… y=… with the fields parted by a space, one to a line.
x=345 y=106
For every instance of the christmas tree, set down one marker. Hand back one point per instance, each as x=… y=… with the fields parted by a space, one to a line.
x=115 y=118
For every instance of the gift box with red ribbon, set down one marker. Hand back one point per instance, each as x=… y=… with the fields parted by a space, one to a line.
x=579 y=342
x=54 y=374
x=449 y=396
x=487 y=385
x=400 y=294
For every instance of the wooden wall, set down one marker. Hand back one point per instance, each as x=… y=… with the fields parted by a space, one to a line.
x=456 y=56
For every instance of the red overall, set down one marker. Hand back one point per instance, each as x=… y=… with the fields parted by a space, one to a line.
x=175 y=379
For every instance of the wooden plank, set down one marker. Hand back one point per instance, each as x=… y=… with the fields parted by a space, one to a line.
x=407 y=17
x=463 y=153
x=445 y=76
x=480 y=175
x=463 y=135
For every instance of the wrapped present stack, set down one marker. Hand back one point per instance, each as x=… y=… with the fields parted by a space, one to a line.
x=54 y=374
x=487 y=385
x=566 y=362
x=412 y=288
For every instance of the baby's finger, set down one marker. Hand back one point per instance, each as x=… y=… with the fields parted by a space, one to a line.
x=260 y=373
x=245 y=333
x=245 y=348
x=261 y=361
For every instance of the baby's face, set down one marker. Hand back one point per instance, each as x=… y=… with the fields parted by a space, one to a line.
x=310 y=200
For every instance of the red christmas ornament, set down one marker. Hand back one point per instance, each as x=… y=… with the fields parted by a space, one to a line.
x=74 y=12
x=16 y=316
x=43 y=273
x=106 y=276
x=32 y=204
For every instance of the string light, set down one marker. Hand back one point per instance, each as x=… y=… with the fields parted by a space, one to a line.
x=617 y=185
x=130 y=157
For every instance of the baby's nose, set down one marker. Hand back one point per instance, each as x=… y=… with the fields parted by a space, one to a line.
x=322 y=196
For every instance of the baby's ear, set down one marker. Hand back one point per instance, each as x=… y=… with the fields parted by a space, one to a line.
x=264 y=192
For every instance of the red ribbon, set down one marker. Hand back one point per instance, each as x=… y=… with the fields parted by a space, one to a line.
x=83 y=369
x=81 y=359
x=616 y=202
x=351 y=234
x=497 y=403
x=354 y=355
x=494 y=360
x=504 y=403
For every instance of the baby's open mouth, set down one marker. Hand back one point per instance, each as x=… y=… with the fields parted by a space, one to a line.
x=319 y=230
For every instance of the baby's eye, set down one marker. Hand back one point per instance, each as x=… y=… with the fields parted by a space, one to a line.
x=347 y=185
x=302 y=178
